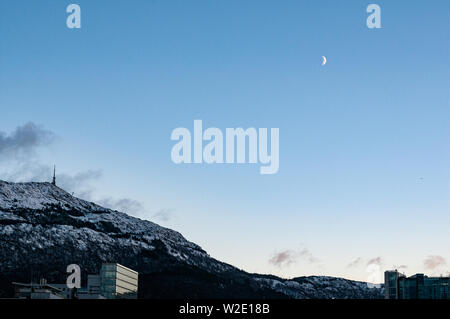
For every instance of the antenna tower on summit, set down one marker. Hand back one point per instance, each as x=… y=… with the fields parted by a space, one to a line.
x=54 y=175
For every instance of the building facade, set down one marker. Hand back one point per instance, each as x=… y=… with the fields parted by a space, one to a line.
x=114 y=282
x=94 y=284
x=419 y=286
x=37 y=291
x=118 y=281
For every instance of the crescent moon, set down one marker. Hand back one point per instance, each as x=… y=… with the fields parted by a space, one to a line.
x=324 y=60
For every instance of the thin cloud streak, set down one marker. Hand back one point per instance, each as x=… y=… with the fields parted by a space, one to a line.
x=434 y=262
x=288 y=257
x=355 y=263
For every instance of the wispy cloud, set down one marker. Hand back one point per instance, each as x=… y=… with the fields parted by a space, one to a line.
x=163 y=214
x=399 y=267
x=80 y=183
x=126 y=205
x=355 y=263
x=375 y=261
x=24 y=140
x=283 y=258
x=287 y=257
x=308 y=256
x=434 y=262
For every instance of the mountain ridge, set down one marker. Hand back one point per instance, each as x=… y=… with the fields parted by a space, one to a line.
x=44 y=228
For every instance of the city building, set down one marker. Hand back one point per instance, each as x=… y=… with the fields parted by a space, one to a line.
x=118 y=281
x=94 y=284
x=114 y=282
x=41 y=290
x=419 y=286
x=391 y=282
x=91 y=292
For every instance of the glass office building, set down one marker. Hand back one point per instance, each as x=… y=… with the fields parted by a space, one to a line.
x=391 y=289
x=419 y=286
x=118 y=281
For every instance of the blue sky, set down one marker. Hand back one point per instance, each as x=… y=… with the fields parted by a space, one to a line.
x=364 y=141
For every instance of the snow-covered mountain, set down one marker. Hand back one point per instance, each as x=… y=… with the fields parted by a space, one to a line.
x=43 y=229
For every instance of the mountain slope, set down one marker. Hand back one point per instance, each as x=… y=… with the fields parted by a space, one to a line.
x=43 y=229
